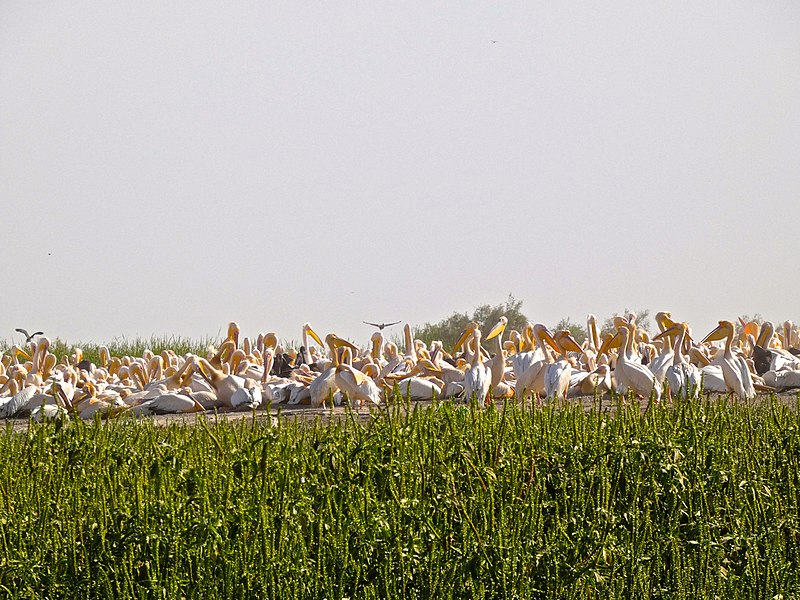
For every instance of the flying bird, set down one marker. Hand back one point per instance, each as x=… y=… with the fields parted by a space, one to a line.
x=381 y=326
x=29 y=336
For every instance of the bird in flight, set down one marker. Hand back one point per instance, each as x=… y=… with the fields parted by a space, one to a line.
x=29 y=336
x=381 y=326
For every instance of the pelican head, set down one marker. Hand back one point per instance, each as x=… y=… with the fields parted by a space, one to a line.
x=468 y=332
x=499 y=328
x=307 y=330
x=723 y=331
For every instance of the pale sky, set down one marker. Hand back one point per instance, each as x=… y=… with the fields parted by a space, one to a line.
x=166 y=167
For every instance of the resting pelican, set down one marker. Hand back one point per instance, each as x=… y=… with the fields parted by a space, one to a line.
x=422 y=382
x=358 y=386
x=734 y=369
x=478 y=378
x=233 y=391
x=325 y=386
x=587 y=383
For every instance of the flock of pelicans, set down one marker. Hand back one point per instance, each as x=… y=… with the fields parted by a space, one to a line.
x=243 y=374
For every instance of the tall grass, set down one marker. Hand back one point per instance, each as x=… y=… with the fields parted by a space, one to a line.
x=699 y=500
x=121 y=346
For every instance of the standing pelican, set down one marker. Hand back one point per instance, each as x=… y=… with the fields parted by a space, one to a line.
x=478 y=378
x=630 y=373
x=682 y=377
x=497 y=364
x=532 y=378
x=557 y=374
x=734 y=368
x=664 y=359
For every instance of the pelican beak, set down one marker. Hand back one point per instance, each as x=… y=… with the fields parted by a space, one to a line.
x=233 y=332
x=751 y=328
x=673 y=329
x=498 y=329
x=571 y=344
x=719 y=333
x=548 y=337
x=427 y=367
x=464 y=336
x=342 y=343
x=314 y=335
x=608 y=343
x=21 y=353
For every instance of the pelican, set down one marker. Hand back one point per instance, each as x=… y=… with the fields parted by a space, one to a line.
x=422 y=382
x=557 y=374
x=325 y=386
x=381 y=326
x=631 y=374
x=478 y=378
x=497 y=364
x=28 y=336
x=532 y=378
x=734 y=369
x=355 y=384
x=587 y=383
x=682 y=377
x=233 y=391
x=665 y=358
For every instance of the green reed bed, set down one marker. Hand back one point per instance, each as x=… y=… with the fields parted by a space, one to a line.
x=699 y=500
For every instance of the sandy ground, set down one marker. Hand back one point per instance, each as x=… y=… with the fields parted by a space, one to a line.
x=323 y=415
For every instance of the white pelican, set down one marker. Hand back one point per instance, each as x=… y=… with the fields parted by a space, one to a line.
x=478 y=378
x=557 y=374
x=631 y=374
x=532 y=378
x=422 y=382
x=664 y=359
x=233 y=391
x=497 y=364
x=734 y=369
x=325 y=386
x=682 y=377
x=168 y=403
x=588 y=383
x=355 y=384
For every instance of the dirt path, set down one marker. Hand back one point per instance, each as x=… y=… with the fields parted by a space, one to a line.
x=323 y=415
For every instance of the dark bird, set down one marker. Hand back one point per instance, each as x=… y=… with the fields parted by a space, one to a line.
x=381 y=326
x=29 y=336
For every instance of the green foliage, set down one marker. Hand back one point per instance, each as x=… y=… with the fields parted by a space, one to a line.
x=699 y=500
x=642 y=320
x=577 y=330
x=450 y=329
x=132 y=347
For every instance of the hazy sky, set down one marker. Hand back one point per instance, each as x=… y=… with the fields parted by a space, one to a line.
x=166 y=167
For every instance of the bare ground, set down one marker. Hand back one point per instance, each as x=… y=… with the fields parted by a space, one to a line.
x=364 y=414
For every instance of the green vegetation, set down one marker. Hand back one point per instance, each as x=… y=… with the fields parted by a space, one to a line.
x=699 y=500
x=450 y=329
x=129 y=347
